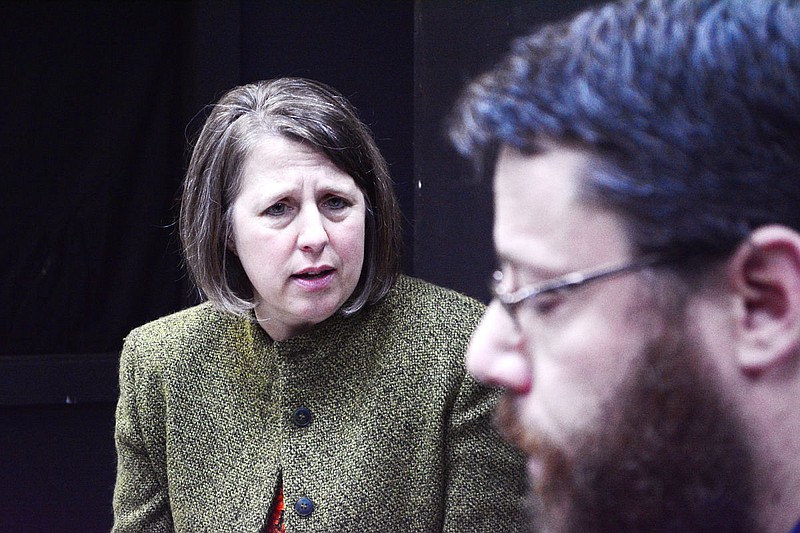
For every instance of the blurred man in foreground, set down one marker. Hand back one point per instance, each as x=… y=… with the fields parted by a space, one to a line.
x=646 y=320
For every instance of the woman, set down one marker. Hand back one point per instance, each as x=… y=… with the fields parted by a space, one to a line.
x=317 y=389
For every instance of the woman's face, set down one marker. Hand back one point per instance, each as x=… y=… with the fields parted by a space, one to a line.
x=298 y=230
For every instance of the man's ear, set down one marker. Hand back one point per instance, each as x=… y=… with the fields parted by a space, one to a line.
x=765 y=276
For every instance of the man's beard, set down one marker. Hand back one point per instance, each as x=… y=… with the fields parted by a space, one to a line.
x=666 y=456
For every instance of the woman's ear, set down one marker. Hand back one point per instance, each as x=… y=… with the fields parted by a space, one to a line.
x=765 y=276
x=230 y=241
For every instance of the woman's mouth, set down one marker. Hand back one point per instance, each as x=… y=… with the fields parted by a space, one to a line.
x=314 y=279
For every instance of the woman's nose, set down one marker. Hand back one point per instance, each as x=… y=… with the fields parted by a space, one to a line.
x=312 y=235
x=496 y=355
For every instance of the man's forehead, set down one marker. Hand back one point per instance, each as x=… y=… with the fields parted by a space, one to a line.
x=551 y=173
x=540 y=219
x=534 y=193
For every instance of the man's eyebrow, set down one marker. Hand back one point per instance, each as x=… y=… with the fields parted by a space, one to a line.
x=503 y=260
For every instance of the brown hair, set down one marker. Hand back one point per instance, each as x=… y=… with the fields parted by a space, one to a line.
x=301 y=110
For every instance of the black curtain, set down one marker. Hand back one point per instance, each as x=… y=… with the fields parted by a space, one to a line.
x=91 y=150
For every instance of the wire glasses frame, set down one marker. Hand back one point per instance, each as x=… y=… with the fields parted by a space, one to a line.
x=512 y=301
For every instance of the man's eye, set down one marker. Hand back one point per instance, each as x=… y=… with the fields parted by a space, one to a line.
x=276 y=209
x=546 y=302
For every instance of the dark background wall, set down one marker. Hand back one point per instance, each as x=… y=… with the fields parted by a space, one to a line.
x=99 y=102
x=457 y=40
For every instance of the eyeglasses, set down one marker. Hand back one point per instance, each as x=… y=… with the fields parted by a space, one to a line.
x=512 y=302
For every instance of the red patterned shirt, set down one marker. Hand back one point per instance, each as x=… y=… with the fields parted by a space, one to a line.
x=275 y=523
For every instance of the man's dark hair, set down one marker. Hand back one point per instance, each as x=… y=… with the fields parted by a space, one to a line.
x=690 y=109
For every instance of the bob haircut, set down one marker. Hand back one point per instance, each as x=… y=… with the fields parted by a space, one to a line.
x=301 y=110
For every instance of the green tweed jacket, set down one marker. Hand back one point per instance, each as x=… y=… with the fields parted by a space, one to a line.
x=370 y=423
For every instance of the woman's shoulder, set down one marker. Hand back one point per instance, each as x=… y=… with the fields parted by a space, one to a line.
x=415 y=288
x=186 y=321
x=196 y=326
x=423 y=298
x=425 y=328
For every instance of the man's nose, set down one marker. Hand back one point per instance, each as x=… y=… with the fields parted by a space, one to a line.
x=496 y=354
x=312 y=235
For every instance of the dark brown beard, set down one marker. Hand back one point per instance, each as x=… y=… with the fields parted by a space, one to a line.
x=666 y=456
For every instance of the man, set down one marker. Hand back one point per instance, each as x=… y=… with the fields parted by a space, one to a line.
x=646 y=320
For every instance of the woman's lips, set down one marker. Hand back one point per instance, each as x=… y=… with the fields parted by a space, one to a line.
x=314 y=279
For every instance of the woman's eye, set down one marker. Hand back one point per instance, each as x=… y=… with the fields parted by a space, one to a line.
x=336 y=202
x=276 y=209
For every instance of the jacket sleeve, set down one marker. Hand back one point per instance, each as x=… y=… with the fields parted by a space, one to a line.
x=486 y=478
x=141 y=503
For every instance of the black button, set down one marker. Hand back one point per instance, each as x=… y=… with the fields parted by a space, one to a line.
x=304 y=506
x=301 y=417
